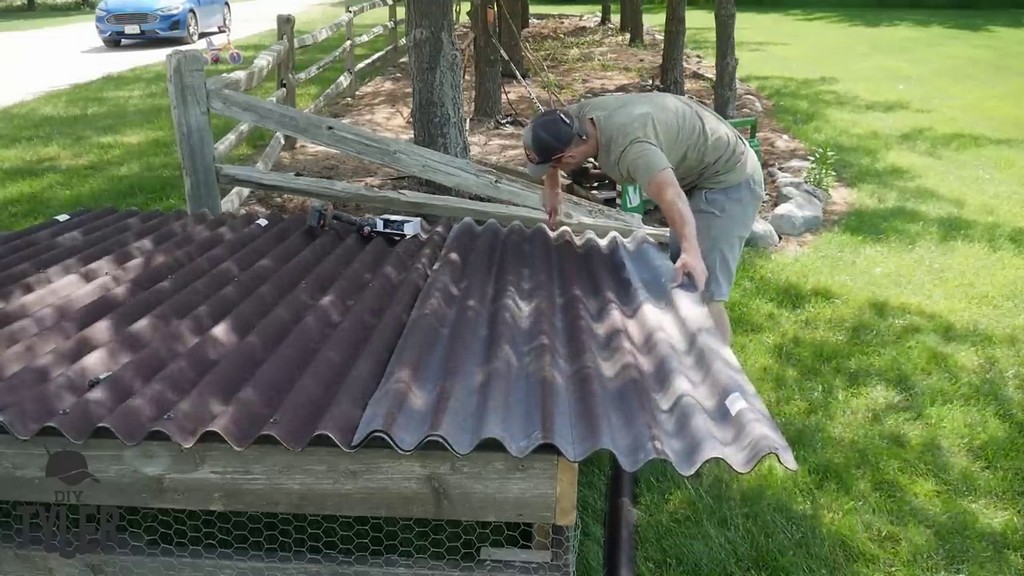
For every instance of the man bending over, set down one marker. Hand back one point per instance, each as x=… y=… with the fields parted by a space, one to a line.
x=700 y=171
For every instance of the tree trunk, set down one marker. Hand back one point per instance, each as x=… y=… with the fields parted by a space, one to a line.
x=624 y=15
x=672 y=64
x=486 y=64
x=725 y=58
x=30 y=5
x=636 y=23
x=510 y=16
x=436 y=74
x=526 y=15
x=606 y=12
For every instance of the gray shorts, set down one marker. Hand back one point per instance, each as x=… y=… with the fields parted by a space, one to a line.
x=724 y=217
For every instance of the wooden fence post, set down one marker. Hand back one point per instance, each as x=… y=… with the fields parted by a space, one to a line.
x=190 y=112
x=393 y=17
x=286 y=67
x=350 y=57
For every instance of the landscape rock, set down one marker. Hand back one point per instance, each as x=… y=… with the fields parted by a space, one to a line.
x=790 y=193
x=798 y=216
x=752 y=102
x=798 y=185
x=797 y=165
x=762 y=235
x=787 y=180
x=775 y=174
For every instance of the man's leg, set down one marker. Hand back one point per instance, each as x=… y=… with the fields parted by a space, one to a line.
x=724 y=219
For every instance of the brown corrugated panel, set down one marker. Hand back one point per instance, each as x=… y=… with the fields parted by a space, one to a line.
x=145 y=321
x=579 y=344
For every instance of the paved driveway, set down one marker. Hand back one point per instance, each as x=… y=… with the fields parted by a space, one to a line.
x=49 y=59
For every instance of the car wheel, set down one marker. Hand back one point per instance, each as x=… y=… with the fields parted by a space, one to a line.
x=111 y=42
x=191 y=28
x=226 y=27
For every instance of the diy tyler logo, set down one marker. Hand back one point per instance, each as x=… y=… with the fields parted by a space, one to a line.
x=95 y=526
x=69 y=467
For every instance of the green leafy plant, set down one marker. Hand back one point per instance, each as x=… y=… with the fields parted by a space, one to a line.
x=821 y=173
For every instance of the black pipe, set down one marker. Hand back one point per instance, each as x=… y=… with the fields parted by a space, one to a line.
x=620 y=524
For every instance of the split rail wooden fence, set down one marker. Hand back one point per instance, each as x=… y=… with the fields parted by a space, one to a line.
x=193 y=98
x=278 y=58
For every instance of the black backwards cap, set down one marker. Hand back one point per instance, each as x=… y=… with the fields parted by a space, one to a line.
x=547 y=137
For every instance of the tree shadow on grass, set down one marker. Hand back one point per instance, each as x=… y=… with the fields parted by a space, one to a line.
x=903 y=422
x=701 y=39
x=965 y=20
x=908 y=225
x=809 y=106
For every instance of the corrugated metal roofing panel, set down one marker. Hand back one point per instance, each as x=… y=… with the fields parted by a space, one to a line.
x=579 y=344
x=144 y=321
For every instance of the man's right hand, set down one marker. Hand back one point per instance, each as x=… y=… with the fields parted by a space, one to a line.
x=552 y=197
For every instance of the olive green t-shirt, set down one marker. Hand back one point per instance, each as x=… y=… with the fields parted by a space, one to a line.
x=640 y=135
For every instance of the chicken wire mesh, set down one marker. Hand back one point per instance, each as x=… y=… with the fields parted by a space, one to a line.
x=119 y=540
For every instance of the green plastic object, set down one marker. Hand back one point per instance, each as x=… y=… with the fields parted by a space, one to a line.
x=751 y=125
x=631 y=197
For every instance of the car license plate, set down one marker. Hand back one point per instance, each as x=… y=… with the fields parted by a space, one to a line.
x=133 y=30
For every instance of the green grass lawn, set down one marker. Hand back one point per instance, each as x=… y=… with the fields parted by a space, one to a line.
x=14 y=17
x=17 y=20
x=890 y=351
x=110 y=141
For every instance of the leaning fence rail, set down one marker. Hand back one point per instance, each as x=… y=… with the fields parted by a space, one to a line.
x=198 y=159
x=506 y=198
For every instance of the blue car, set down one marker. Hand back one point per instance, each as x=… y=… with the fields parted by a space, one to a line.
x=118 y=20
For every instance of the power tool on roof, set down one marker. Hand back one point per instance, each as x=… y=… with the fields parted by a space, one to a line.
x=322 y=216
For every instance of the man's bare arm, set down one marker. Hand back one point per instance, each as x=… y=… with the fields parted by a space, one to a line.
x=552 y=200
x=552 y=181
x=664 y=190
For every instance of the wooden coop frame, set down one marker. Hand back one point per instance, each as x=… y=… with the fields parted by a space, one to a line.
x=487 y=485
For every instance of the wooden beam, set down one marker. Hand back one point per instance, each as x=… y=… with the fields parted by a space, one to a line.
x=286 y=67
x=159 y=561
x=393 y=36
x=367 y=6
x=232 y=202
x=411 y=202
x=186 y=86
x=566 y=491
x=350 y=65
x=340 y=85
x=404 y=157
x=376 y=59
x=245 y=80
x=372 y=33
x=511 y=171
x=380 y=482
x=515 y=555
x=322 y=64
x=321 y=34
x=238 y=134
